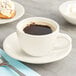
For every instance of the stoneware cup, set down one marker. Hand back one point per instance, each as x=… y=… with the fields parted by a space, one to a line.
x=37 y=45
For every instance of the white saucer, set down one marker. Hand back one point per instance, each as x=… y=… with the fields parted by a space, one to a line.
x=12 y=48
x=19 y=13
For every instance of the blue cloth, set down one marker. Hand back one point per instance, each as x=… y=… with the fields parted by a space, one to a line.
x=6 y=71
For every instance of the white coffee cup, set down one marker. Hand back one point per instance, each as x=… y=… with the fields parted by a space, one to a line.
x=37 y=45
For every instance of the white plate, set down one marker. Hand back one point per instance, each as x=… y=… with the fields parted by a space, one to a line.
x=12 y=48
x=19 y=13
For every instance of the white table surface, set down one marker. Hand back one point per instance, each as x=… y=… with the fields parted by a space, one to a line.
x=49 y=9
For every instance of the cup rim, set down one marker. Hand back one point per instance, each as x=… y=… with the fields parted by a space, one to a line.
x=48 y=19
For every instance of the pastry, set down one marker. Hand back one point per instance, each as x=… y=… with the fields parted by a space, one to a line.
x=7 y=9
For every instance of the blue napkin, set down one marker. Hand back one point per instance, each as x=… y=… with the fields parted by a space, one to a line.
x=6 y=71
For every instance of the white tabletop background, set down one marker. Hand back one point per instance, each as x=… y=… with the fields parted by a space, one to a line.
x=49 y=9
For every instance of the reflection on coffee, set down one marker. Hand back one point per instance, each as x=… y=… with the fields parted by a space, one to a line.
x=37 y=29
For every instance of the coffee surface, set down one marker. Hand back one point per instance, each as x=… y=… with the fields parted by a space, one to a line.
x=37 y=29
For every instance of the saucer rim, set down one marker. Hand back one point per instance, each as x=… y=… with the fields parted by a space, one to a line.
x=69 y=50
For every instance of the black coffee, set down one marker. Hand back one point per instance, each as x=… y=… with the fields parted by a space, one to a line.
x=37 y=29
